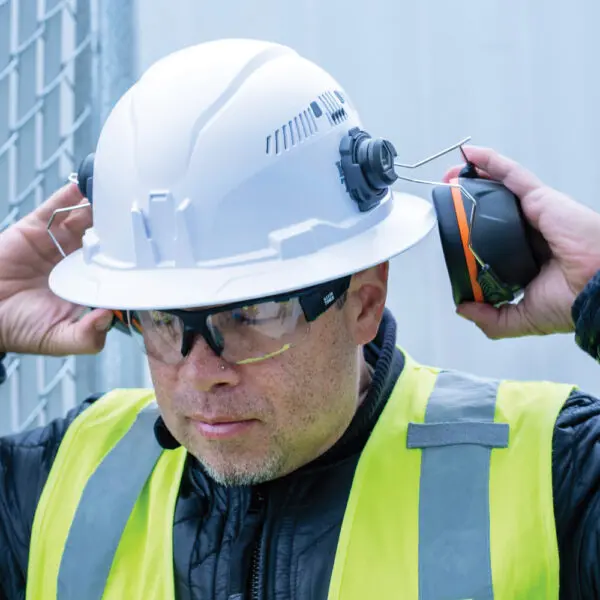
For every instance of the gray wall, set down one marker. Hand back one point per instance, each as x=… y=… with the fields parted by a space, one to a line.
x=518 y=75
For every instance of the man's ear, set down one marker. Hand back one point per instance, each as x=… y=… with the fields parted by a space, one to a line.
x=365 y=303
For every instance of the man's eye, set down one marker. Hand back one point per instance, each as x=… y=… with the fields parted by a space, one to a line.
x=161 y=318
x=244 y=316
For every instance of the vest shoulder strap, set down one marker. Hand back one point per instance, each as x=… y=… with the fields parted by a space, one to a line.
x=455 y=484
x=107 y=455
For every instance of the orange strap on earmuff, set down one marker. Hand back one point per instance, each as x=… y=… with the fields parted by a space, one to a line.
x=463 y=228
x=121 y=317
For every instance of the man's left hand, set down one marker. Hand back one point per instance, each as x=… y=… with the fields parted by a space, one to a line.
x=572 y=231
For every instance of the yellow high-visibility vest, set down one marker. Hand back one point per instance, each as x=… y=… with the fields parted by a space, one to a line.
x=451 y=499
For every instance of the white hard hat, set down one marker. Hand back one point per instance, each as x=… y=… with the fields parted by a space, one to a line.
x=217 y=178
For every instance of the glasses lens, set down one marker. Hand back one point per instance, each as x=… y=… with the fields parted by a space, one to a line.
x=246 y=334
x=163 y=335
x=259 y=331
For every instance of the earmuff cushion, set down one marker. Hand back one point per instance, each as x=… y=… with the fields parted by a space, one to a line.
x=452 y=245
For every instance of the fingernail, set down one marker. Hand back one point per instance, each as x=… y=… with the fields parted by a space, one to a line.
x=105 y=323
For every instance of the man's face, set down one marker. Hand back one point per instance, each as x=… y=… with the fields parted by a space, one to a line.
x=256 y=422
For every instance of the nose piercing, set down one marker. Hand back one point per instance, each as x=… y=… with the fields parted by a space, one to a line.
x=222 y=366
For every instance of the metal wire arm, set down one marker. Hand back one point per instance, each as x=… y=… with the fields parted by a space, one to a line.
x=434 y=156
x=51 y=220
x=466 y=193
x=458 y=145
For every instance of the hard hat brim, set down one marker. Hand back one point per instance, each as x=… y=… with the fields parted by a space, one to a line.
x=90 y=284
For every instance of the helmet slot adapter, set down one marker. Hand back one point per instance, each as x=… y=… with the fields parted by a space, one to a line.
x=84 y=178
x=366 y=167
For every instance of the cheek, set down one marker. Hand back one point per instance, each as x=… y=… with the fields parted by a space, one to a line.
x=162 y=375
x=164 y=380
x=317 y=383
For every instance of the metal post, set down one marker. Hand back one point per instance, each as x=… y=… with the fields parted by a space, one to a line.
x=122 y=362
x=118 y=56
x=46 y=123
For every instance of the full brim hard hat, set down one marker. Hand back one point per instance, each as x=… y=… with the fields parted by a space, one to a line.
x=217 y=178
x=409 y=219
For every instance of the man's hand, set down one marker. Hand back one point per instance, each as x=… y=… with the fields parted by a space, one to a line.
x=32 y=319
x=572 y=231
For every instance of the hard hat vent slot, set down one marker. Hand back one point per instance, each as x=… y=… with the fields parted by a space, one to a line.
x=292 y=133
x=304 y=125
x=334 y=109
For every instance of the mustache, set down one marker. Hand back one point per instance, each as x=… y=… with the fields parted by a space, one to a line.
x=194 y=403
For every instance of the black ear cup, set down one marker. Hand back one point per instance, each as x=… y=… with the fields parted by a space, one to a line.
x=85 y=177
x=491 y=252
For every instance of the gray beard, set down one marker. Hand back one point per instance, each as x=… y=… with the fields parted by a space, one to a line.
x=239 y=477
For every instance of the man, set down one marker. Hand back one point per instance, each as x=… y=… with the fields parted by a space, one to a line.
x=295 y=452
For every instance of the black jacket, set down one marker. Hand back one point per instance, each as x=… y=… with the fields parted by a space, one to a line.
x=278 y=540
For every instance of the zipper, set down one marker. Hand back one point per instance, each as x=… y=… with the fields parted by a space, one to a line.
x=258 y=502
x=255 y=581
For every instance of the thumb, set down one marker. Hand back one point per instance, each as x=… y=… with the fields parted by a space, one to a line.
x=454 y=172
x=508 y=321
x=87 y=335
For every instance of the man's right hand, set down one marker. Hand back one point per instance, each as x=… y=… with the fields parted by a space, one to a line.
x=32 y=319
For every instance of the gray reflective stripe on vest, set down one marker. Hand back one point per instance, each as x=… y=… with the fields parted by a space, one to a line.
x=104 y=509
x=454 y=521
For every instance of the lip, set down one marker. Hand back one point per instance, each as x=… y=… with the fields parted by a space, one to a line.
x=221 y=429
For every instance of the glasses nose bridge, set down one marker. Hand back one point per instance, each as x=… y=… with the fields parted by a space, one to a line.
x=191 y=335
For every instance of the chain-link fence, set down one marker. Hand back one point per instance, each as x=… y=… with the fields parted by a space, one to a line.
x=49 y=116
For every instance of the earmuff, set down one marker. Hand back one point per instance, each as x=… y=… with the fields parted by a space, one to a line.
x=126 y=321
x=490 y=250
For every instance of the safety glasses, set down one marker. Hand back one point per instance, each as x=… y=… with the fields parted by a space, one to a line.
x=240 y=333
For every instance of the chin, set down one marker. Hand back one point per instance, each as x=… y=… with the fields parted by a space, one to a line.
x=238 y=473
